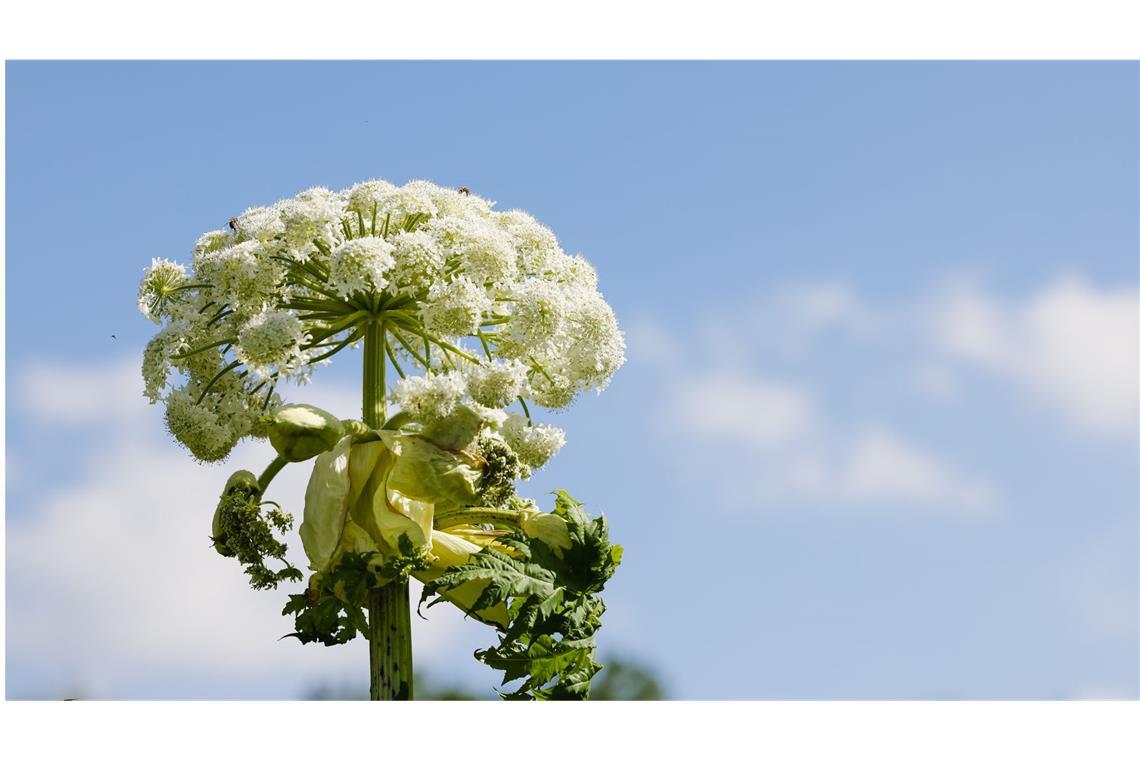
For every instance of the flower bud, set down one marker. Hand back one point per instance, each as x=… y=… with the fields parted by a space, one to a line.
x=300 y=431
x=241 y=486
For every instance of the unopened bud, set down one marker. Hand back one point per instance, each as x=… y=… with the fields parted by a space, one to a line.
x=300 y=431
x=241 y=487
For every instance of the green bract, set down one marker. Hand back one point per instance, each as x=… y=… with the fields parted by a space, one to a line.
x=378 y=500
x=300 y=431
x=427 y=472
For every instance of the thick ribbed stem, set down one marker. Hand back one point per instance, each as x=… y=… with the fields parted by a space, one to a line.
x=389 y=613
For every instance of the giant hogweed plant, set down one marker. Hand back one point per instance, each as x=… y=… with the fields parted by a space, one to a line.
x=468 y=317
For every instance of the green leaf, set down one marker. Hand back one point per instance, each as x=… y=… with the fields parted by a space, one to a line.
x=551 y=596
x=331 y=612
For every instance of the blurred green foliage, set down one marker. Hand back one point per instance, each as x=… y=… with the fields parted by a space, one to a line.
x=620 y=680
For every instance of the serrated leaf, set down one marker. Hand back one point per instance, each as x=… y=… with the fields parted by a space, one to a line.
x=550 y=593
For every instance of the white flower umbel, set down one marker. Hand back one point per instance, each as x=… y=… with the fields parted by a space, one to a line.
x=360 y=265
x=161 y=280
x=495 y=383
x=428 y=398
x=537 y=315
x=157 y=357
x=455 y=308
x=538 y=249
x=199 y=427
x=483 y=251
x=367 y=198
x=419 y=263
x=534 y=444
x=272 y=340
x=457 y=290
x=243 y=275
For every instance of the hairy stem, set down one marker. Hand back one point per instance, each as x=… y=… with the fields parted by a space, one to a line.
x=389 y=613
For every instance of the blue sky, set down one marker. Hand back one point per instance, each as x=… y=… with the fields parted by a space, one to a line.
x=876 y=437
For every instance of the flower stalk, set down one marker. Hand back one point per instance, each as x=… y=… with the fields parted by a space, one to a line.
x=389 y=611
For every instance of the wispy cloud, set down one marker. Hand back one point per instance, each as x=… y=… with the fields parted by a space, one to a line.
x=1074 y=346
x=743 y=408
x=882 y=465
x=1070 y=346
x=800 y=447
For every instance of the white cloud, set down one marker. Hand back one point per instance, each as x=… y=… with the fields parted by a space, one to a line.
x=884 y=466
x=799 y=454
x=801 y=449
x=112 y=583
x=1074 y=346
x=743 y=408
x=51 y=392
x=790 y=319
x=818 y=306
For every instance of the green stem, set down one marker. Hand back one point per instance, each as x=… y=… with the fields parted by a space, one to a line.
x=270 y=472
x=228 y=368
x=476 y=516
x=200 y=349
x=389 y=612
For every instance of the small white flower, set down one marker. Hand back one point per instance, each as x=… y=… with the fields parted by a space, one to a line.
x=368 y=198
x=271 y=339
x=311 y=216
x=212 y=241
x=550 y=388
x=483 y=250
x=198 y=426
x=430 y=397
x=537 y=315
x=574 y=271
x=242 y=275
x=158 y=283
x=455 y=308
x=412 y=200
x=534 y=444
x=599 y=348
x=497 y=383
x=360 y=264
x=537 y=247
x=260 y=224
x=418 y=262
x=157 y=358
x=450 y=202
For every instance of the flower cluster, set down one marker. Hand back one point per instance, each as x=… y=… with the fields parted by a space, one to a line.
x=474 y=304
